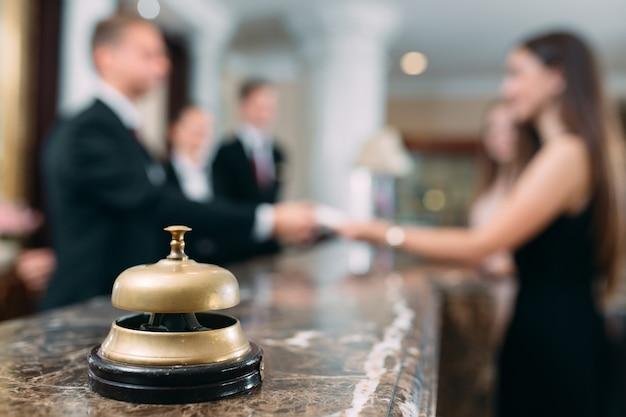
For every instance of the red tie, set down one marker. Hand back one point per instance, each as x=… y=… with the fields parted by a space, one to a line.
x=261 y=172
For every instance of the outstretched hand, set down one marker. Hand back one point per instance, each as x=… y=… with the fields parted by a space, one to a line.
x=294 y=222
x=372 y=231
x=298 y=222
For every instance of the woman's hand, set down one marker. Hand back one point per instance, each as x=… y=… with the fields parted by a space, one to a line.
x=372 y=231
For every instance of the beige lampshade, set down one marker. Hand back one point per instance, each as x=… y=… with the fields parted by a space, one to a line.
x=385 y=154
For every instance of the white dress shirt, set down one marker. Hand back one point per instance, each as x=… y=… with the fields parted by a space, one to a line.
x=121 y=105
x=129 y=115
x=259 y=148
x=193 y=178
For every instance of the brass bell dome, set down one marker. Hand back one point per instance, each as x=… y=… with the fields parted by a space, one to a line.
x=176 y=284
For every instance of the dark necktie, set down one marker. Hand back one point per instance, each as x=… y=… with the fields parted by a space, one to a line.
x=261 y=172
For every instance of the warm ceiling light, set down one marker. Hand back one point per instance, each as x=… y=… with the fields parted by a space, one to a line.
x=434 y=200
x=148 y=9
x=414 y=63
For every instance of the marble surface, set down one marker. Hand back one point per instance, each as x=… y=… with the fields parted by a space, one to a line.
x=335 y=344
x=474 y=315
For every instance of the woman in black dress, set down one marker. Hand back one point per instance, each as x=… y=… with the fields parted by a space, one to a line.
x=562 y=220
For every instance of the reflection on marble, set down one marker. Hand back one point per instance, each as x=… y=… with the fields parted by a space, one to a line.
x=337 y=345
x=474 y=315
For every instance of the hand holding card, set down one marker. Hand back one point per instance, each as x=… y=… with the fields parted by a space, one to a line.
x=330 y=217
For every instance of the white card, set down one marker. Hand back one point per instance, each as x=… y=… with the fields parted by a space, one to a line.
x=330 y=217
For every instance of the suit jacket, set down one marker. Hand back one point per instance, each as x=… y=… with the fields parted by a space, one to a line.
x=234 y=177
x=222 y=249
x=107 y=206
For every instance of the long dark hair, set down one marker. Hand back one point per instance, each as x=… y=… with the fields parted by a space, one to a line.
x=585 y=114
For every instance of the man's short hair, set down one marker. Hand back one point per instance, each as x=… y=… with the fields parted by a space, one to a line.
x=252 y=85
x=109 y=30
x=183 y=110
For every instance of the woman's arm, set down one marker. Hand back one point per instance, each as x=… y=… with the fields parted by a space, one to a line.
x=555 y=182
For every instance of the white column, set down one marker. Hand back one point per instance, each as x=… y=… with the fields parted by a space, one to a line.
x=77 y=74
x=211 y=25
x=344 y=44
x=207 y=50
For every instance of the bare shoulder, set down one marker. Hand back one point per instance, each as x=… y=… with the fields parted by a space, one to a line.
x=567 y=161
x=567 y=149
x=563 y=163
x=564 y=156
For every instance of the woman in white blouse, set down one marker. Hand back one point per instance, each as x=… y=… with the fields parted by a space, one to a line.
x=497 y=177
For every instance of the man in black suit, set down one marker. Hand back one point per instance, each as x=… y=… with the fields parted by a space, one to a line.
x=191 y=137
x=248 y=165
x=107 y=196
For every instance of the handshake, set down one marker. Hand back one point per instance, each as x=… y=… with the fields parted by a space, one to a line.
x=301 y=222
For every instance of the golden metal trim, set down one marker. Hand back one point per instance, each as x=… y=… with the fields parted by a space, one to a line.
x=174 y=348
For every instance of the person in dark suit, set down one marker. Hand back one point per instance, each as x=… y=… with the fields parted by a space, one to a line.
x=107 y=197
x=248 y=165
x=187 y=171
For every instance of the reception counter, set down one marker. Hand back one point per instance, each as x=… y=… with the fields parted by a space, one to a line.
x=335 y=343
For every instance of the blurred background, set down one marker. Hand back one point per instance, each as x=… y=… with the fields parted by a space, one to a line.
x=382 y=108
x=344 y=70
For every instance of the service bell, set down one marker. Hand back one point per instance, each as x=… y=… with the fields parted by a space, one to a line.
x=174 y=350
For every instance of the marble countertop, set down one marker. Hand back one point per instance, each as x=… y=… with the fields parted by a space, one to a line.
x=336 y=344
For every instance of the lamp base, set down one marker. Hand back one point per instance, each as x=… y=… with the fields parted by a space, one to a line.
x=175 y=384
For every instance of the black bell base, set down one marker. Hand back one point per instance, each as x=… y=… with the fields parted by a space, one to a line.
x=175 y=384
